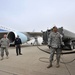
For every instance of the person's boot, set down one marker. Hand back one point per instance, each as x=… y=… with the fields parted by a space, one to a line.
x=50 y=65
x=2 y=58
x=57 y=65
x=7 y=57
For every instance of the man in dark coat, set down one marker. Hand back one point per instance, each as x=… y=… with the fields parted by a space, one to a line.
x=18 y=45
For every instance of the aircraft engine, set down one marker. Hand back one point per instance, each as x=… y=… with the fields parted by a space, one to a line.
x=12 y=35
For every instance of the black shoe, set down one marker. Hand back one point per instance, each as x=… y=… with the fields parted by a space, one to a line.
x=17 y=55
x=20 y=54
x=57 y=66
x=49 y=66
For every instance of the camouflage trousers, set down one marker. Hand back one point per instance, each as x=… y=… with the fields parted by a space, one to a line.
x=6 y=51
x=52 y=52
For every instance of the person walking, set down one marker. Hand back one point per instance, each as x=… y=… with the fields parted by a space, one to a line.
x=18 y=45
x=54 y=42
x=4 y=46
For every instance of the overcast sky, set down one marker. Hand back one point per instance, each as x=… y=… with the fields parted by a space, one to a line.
x=37 y=15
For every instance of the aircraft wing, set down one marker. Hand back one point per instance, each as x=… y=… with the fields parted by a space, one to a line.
x=33 y=34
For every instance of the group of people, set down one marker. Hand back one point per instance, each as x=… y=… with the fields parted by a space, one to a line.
x=54 y=43
x=4 y=42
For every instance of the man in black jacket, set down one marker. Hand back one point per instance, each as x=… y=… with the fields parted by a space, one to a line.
x=18 y=45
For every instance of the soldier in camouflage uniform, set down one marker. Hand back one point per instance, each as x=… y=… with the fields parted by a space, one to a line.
x=4 y=46
x=54 y=41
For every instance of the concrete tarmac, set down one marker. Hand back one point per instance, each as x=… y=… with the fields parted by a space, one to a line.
x=35 y=62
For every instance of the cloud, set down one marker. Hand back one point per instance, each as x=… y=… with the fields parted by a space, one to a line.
x=37 y=14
